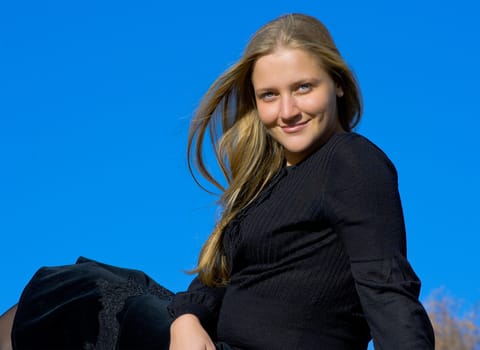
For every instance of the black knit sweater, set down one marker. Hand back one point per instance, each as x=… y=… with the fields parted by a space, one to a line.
x=318 y=261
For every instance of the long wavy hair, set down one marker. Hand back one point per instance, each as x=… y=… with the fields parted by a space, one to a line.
x=245 y=152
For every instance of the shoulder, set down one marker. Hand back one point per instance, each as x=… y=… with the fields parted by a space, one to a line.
x=353 y=156
x=355 y=147
x=356 y=150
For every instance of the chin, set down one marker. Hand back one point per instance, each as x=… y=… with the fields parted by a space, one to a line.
x=302 y=148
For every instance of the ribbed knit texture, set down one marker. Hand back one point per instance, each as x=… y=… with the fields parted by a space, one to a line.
x=318 y=260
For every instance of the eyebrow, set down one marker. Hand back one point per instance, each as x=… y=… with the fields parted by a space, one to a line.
x=313 y=81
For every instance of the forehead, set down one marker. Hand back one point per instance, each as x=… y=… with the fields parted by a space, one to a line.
x=286 y=65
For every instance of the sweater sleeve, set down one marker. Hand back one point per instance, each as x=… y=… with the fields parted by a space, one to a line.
x=201 y=301
x=364 y=206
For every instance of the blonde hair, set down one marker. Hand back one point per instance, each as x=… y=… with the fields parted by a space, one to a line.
x=245 y=152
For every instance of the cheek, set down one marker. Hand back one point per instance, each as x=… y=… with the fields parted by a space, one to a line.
x=267 y=115
x=322 y=101
x=315 y=105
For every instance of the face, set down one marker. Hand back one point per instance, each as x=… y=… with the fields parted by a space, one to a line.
x=296 y=101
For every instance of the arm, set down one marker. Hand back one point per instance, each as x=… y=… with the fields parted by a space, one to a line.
x=195 y=312
x=365 y=209
x=6 y=323
x=201 y=301
x=186 y=332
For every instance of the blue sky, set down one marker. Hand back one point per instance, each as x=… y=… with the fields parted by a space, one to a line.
x=96 y=97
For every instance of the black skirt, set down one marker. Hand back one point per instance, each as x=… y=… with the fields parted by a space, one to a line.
x=92 y=306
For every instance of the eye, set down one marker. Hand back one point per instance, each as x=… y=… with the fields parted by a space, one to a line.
x=304 y=88
x=267 y=96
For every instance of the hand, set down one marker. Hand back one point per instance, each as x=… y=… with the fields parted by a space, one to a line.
x=187 y=333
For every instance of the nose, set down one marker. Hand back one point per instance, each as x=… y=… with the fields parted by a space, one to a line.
x=288 y=108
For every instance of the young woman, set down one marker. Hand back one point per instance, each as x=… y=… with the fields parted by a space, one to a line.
x=309 y=252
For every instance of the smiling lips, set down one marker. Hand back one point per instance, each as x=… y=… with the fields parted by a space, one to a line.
x=290 y=129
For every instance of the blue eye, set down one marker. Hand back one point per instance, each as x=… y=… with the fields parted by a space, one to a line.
x=267 y=96
x=306 y=87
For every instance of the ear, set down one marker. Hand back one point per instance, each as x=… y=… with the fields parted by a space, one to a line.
x=339 y=91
